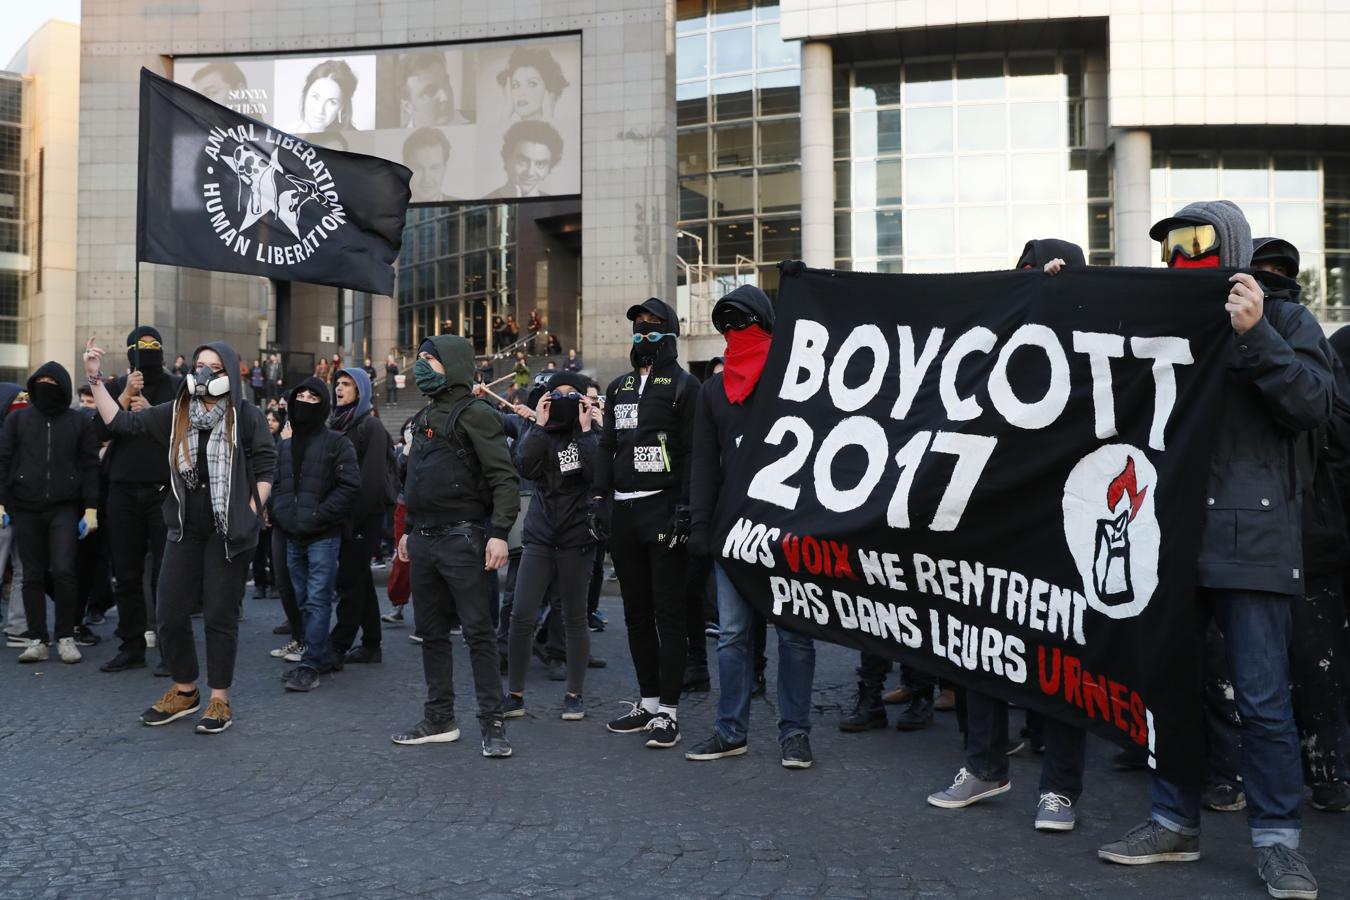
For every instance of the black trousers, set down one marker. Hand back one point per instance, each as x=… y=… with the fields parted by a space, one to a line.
x=135 y=527
x=696 y=596
x=262 y=560
x=47 y=541
x=597 y=577
x=196 y=570
x=652 y=580
x=281 y=574
x=987 y=745
x=447 y=577
x=872 y=672
x=1319 y=690
x=93 y=572
x=358 y=606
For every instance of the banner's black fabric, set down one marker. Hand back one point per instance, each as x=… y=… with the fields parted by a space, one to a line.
x=221 y=191
x=998 y=477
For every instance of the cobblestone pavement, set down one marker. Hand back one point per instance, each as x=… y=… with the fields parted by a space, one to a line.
x=307 y=797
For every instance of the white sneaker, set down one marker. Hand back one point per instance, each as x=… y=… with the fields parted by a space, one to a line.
x=286 y=649
x=296 y=653
x=16 y=641
x=149 y=640
x=70 y=653
x=34 y=651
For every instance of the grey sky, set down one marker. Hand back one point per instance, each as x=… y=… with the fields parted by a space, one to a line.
x=23 y=18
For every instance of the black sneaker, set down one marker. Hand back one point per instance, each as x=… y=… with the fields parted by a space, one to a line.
x=715 y=747
x=696 y=680
x=95 y=618
x=595 y=662
x=636 y=719
x=283 y=628
x=428 y=732
x=84 y=637
x=513 y=707
x=917 y=714
x=664 y=732
x=162 y=669
x=363 y=654
x=573 y=709
x=1331 y=796
x=173 y=706
x=797 y=752
x=218 y=717
x=303 y=679
x=260 y=592
x=495 y=744
x=123 y=661
x=557 y=670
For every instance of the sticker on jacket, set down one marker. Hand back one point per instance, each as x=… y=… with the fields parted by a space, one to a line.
x=625 y=415
x=649 y=459
x=569 y=458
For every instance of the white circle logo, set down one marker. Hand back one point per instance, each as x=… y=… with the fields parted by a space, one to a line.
x=1111 y=529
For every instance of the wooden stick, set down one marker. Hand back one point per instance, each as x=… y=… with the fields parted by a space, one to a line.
x=500 y=380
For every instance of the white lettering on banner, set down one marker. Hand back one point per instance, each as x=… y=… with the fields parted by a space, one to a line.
x=625 y=415
x=912 y=371
x=1046 y=410
x=809 y=339
x=648 y=459
x=977 y=340
x=1166 y=352
x=1100 y=350
x=866 y=337
x=569 y=459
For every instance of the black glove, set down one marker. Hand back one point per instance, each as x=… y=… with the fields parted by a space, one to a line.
x=700 y=541
x=597 y=519
x=679 y=527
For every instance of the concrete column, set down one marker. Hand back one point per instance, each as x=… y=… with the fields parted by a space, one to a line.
x=1134 y=205
x=818 y=154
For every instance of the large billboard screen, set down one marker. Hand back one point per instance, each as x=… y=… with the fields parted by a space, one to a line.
x=495 y=120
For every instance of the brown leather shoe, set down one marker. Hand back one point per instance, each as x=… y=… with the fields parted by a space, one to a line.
x=900 y=694
x=946 y=700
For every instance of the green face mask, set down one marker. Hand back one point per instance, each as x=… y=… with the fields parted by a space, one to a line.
x=429 y=381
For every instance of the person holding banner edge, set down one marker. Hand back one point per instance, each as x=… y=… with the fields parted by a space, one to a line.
x=221 y=465
x=745 y=316
x=643 y=476
x=1250 y=564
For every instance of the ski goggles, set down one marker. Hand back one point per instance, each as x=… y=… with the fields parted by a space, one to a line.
x=146 y=344
x=653 y=337
x=1191 y=241
x=564 y=395
x=733 y=318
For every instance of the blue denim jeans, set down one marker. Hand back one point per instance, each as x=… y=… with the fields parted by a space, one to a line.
x=736 y=671
x=313 y=569
x=1257 y=627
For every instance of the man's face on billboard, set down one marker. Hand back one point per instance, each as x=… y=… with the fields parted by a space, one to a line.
x=427 y=96
x=528 y=166
x=428 y=173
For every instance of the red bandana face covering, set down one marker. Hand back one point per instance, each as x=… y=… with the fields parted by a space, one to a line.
x=1179 y=261
x=747 y=349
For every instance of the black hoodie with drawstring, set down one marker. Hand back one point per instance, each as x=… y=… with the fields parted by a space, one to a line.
x=48 y=451
x=255 y=465
x=317 y=479
x=140 y=460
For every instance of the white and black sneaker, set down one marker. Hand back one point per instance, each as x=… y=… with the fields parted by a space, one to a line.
x=495 y=744
x=428 y=732
x=636 y=719
x=664 y=732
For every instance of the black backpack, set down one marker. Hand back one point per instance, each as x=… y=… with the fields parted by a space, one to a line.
x=463 y=449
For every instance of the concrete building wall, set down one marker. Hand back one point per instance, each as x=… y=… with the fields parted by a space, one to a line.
x=628 y=170
x=1224 y=62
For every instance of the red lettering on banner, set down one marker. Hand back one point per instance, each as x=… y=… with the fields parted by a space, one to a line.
x=811 y=555
x=791 y=551
x=843 y=568
x=1097 y=696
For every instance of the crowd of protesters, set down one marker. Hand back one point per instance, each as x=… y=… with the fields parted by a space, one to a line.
x=501 y=505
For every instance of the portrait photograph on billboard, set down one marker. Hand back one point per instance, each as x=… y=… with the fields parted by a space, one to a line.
x=496 y=120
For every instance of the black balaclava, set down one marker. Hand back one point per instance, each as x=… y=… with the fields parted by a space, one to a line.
x=306 y=420
x=50 y=399
x=1037 y=253
x=149 y=363
x=563 y=413
x=647 y=354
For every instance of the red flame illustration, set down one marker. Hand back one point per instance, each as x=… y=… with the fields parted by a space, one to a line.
x=1123 y=484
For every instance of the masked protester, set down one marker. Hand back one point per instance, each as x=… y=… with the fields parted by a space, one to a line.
x=558 y=455
x=725 y=403
x=1250 y=566
x=985 y=773
x=643 y=471
x=459 y=476
x=317 y=483
x=48 y=478
x=13 y=398
x=138 y=481
x=1319 y=618
x=358 y=604
x=221 y=462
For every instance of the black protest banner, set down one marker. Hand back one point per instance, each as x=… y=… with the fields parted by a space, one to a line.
x=997 y=477
x=221 y=191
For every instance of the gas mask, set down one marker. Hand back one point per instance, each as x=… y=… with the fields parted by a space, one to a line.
x=203 y=382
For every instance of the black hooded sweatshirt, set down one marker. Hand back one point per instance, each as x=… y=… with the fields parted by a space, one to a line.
x=649 y=428
x=140 y=460
x=48 y=458
x=1039 y=252
x=560 y=464
x=317 y=475
x=255 y=465
x=718 y=424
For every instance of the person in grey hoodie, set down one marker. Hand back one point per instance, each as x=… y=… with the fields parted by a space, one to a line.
x=1250 y=567
x=221 y=462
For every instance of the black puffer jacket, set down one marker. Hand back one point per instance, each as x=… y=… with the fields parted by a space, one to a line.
x=48 y=460
x=561 y=465
x=320 y=503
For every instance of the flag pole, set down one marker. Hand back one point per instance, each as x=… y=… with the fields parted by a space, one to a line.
x=136 y=313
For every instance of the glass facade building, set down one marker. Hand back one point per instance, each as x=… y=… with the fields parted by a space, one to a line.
x=14 y=225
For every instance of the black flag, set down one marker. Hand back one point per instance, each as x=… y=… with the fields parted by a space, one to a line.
x=998 y=477
x=222 y=191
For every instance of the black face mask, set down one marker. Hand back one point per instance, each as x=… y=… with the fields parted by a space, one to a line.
x=306 y=416
x=562 y=413
x=148 y=362
x=48 y=398
x=648 y=354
